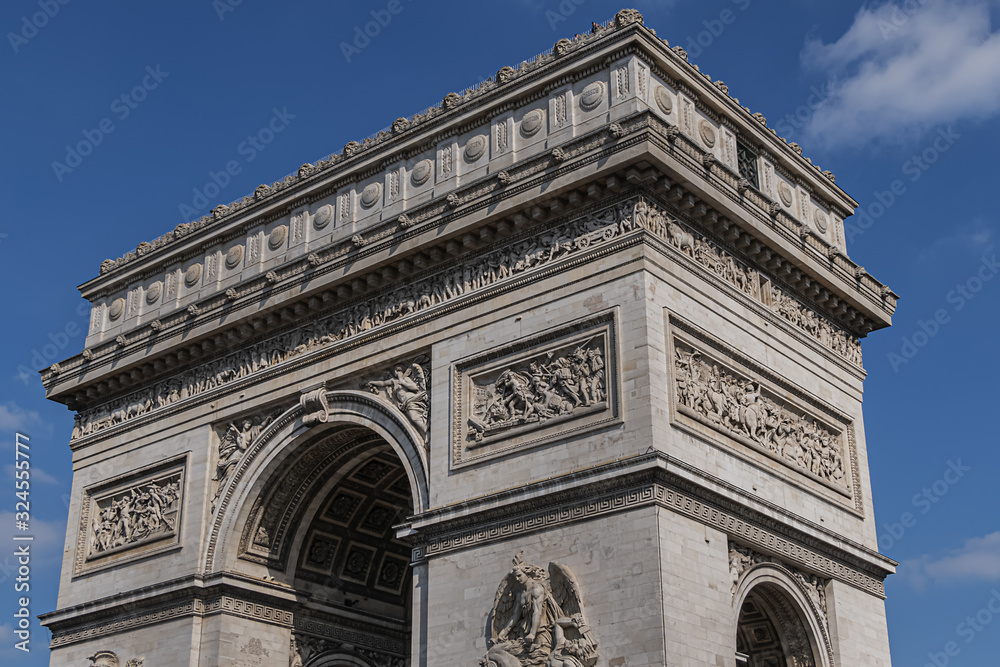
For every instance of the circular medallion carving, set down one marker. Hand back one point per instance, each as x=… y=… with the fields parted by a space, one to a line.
x=116 y=309
x=323 y=217
x=371 y=194
x=532 y=122
x=234 y=257
x=664 y=100
x=421 y=172
x=154 y=292
x=475 y=148
x=785 y=192
x=277 y=237
x=707 y=133
x=192 y=275
x=592 y=96
x=820 y=219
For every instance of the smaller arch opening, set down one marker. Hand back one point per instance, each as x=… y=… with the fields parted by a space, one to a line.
x=770 y=631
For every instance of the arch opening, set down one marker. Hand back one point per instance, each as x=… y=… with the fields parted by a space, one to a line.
x=771 y=631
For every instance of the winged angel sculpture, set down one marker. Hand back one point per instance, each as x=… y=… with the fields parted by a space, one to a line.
x=537 y=620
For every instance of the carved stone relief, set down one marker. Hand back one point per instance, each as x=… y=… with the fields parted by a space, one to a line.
x=592 y=96
x=406 y=387
x=786 y=194
x=371 y=195
x=757 y=415
x=820 y=219
x=110 y=659
x=233 y=442
x=421 y=172
x=323 y=217
x=130 y=516
x=116 y=309
x=537 y=619
x=664 y=99
x=475 y=148
x=532 y=122
x=154 y=292
x=707 y=133
x=599 y=227
x=526 y=393
x=138 y=514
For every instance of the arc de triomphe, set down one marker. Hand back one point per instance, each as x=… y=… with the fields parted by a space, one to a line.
x=562 y=372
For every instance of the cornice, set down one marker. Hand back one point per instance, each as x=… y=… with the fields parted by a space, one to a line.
x=358 y=159
x=650 y=479
x=486 y=193
x=230 y=593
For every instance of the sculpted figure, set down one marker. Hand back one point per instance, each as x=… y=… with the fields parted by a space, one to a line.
x=406 y=388
x=537 y=620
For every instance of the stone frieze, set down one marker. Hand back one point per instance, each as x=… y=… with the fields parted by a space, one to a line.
x=767 y=420
x=600 y=227
x=536 y=390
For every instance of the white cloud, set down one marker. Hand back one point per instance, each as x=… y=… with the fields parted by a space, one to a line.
x=977 y=560
x=903 y=68
x=15 y=418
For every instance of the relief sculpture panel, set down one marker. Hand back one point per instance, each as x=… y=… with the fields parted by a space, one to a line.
x=710 y=391
x=536 y=390
x=129 y=516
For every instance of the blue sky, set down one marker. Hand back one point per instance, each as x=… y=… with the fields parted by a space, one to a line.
x=900 y=101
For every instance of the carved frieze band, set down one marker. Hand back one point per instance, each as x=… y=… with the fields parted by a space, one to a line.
x=708 y=391
x=648 y=494
x=130 y=516
x=536 y=390
x=478 y=275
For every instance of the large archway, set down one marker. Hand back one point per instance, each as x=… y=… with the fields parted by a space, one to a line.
x=312 y=507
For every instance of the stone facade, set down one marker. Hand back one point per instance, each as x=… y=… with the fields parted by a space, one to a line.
x=565 y=371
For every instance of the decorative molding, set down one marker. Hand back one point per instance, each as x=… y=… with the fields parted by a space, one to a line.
x=667 y=491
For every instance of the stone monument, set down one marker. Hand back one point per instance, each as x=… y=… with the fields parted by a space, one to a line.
x=563 y=372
